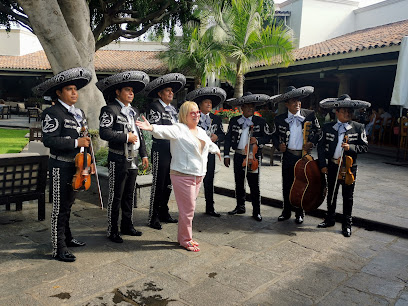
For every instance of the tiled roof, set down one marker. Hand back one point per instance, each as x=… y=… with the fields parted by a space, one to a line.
x=112 y=61
x=377 y=37
x=105 y=60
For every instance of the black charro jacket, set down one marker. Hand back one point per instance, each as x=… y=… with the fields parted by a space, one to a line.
x=215 y=128
x=260 y=131
x=329 y=138
x=60 y=129
x=114 y=127
x=281 y=133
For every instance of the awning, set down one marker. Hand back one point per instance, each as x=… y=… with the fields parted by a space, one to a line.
x=400 y=92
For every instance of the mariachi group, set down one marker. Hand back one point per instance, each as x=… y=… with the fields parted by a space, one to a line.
x=295 y=133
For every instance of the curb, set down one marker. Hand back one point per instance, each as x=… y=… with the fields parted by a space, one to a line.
x=369 y=225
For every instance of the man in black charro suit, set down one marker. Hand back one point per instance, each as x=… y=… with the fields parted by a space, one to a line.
x=237 y=137
x=330 y=148
x=126 y=143
x=208 y=98
x=162 y=112
x=288 y=138
x=61 y=126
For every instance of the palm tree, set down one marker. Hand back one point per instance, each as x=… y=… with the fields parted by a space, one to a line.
x=197 y=52
x=237 y=24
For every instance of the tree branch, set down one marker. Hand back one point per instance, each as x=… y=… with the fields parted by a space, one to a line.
x=108 y=39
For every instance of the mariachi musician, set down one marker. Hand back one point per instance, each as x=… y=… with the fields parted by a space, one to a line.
x=288 y=139
x=126 y=143
x=238 y=138
x=163 y=113
x=62 y=126
x=208 y=98
x=340 y=143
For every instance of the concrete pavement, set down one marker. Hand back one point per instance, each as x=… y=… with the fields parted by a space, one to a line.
x=241 y=262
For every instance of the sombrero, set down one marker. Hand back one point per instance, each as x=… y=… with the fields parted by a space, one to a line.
x=217 y=95
x=174 y=80
x=293 y=92
x=343 y=101
x=256 y=99
x=135 y=79
x=78 y=76
x=234 y=101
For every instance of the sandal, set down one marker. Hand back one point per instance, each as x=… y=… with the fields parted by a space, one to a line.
x=191 y=246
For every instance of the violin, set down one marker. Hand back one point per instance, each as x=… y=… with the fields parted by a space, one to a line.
x=250 y=162
x=345 y=168
x=82 y=176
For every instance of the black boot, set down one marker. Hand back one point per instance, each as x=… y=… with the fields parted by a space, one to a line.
x=346 y=227
x=329 y=221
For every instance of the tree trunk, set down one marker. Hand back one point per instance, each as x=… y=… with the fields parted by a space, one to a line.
x=239 y=83
x=239 y=86
x=63 y=29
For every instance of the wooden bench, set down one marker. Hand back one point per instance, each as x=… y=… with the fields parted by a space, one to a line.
x=23 y=177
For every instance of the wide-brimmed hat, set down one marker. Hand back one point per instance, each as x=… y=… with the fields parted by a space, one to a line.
x=234 y=101
x=292 y=92
x=78 y=76
x=344 y=101
x=217 y=95
x=174 y=80
x=135 y=79
x=256 y=99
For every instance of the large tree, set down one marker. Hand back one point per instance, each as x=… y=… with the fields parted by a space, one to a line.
x=71 y=30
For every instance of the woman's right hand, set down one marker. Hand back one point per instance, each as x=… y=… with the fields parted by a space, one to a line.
x=144 y=125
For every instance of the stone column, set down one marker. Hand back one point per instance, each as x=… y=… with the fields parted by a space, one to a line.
x=344 y=84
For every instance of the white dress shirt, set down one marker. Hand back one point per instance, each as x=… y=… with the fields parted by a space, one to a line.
x=296 y=134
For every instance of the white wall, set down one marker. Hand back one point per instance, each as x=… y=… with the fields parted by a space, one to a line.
x=18 y=42
x=136 y=46
x=314 y=21
x=381 y=13
x=323 y=20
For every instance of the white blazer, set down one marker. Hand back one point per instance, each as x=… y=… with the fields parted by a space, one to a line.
x=185 y=155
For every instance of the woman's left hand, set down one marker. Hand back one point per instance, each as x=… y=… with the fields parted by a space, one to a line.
x=219 y=155
x=144 y=125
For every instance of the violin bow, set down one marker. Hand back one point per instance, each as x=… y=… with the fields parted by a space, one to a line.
x=338 y=168
x=247 y=156
x=96 y=176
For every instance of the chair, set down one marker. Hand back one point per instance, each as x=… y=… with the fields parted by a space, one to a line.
x=4 y=111
x=35 y=134
x=33 y=113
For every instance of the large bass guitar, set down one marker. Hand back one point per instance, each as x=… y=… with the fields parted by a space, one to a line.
x=309 y=186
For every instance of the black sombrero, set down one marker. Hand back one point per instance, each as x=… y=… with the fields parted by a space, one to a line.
x=234 y=101
x=135 y=79
x=174 y=80
x=343 y=101
x=78 y=76
x=217 y=95
x=256 y=99
x=292 y=92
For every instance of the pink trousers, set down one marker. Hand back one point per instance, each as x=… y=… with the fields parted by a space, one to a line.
x=186 y=190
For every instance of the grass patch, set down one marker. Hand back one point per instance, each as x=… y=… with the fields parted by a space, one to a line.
x=12 y=141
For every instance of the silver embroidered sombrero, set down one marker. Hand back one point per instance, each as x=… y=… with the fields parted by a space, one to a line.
x=293 y=92
x=217 y=95
x=78 y=76
x=256 y=99
x=343 y=101
x=234 y=101
x=174 y=80
x=135 y=79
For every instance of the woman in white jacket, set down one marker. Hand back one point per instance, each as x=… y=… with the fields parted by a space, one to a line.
x=189 y=147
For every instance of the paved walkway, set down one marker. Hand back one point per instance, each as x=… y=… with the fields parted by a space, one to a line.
x=242 y=262
x=16 y=121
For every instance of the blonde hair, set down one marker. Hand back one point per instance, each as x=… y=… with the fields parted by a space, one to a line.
x=185 y=109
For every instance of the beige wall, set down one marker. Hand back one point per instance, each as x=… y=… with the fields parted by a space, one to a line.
x=18 y=42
